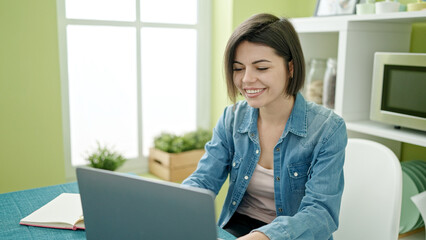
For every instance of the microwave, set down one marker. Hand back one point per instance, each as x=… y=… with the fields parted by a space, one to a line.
x=398 y=95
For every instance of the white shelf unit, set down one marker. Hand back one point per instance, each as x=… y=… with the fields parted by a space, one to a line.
x=353 y=40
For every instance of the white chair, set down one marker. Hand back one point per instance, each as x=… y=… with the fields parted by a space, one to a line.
x=371 y=201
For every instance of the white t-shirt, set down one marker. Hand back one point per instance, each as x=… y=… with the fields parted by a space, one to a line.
x=258 y=202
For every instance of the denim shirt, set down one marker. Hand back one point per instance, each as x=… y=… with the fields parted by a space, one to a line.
x=308 y=168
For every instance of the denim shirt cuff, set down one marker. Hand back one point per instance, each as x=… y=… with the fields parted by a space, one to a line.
x=273 y=231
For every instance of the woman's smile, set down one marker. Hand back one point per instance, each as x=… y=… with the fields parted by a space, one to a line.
x=253 y=92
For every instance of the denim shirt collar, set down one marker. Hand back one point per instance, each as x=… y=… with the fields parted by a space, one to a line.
x=296 y=124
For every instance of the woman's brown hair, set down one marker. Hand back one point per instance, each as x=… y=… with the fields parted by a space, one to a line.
x=277 y=33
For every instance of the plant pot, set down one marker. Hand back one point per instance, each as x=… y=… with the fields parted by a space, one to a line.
x=174 y=167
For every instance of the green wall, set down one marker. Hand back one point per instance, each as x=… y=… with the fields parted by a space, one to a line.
x=282 y=8
x=31 y=144
x=31 y=149
x=221 y=30
x=412 y=152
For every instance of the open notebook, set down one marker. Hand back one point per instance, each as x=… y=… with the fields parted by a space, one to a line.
x=64 y=212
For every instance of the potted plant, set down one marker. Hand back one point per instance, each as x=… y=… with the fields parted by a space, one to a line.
x=174 y=157
x=105 y=158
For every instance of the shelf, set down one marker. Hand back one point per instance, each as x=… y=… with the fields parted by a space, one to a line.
x=353 y=40
x=340 y=23
x=398 y=17
x=388 y=131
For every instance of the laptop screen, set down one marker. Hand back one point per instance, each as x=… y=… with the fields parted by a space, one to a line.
x=123 y=206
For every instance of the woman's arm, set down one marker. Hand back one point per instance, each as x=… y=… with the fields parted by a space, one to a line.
x=254 y=236
x=213 y=167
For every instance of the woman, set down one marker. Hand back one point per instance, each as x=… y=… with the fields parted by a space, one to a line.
x=284 y=156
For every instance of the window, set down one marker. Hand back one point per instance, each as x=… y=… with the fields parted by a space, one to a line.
x=131 y=69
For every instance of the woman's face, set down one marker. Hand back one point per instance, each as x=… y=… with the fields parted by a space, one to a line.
x=260 y=74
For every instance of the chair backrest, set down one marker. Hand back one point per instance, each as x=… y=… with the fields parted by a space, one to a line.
x=371 y=201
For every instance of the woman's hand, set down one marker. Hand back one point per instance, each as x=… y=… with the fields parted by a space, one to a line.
x=254 y=236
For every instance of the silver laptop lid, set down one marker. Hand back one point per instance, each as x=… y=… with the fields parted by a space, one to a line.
x=122 y=206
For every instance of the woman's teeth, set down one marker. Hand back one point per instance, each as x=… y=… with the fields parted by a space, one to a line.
x=253 y=91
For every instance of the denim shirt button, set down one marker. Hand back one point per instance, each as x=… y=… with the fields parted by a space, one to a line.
x=278 y=149
x=257 y=151
x=246 y=177
x=280 y=209
x=278 y=178
x=233 y=164
x=296 y=174
x=234 y=203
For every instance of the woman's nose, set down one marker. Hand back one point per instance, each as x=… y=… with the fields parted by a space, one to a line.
x=249 y=76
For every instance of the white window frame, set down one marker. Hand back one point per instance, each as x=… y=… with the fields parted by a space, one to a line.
x=203 y=28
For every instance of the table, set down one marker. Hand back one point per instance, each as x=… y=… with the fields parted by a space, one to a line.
x=16 y=205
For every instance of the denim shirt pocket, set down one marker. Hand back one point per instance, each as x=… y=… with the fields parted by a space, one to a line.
x=298 y=173
x=235 y=165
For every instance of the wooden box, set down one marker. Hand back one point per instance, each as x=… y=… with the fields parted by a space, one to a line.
x=174 y=167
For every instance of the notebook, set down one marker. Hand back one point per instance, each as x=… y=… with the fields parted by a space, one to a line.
x=63 y=212
x=123 y=206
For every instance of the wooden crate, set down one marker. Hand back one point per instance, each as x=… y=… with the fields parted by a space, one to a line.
x=173 y=167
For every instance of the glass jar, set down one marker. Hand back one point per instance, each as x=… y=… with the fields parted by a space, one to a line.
x=315 y=80
x=329 y=89
x=307 y=70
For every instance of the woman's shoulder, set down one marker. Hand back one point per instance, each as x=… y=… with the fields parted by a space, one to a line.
x=235 y=114
x=238 y=108
x=320 y=117
x=324 y=124
x=322 y=112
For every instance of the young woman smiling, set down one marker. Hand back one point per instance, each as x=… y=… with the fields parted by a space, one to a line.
x=284 y=155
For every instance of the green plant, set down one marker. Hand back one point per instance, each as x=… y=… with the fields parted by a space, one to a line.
x=105 y=158
x=189 y=141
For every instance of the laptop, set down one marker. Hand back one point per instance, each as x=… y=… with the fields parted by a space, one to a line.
x=124 y=206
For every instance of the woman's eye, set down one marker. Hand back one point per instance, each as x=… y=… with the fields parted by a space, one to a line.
x=262 y=68
x=237 y=69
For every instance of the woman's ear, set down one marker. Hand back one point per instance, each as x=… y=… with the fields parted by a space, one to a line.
x=291 y=68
